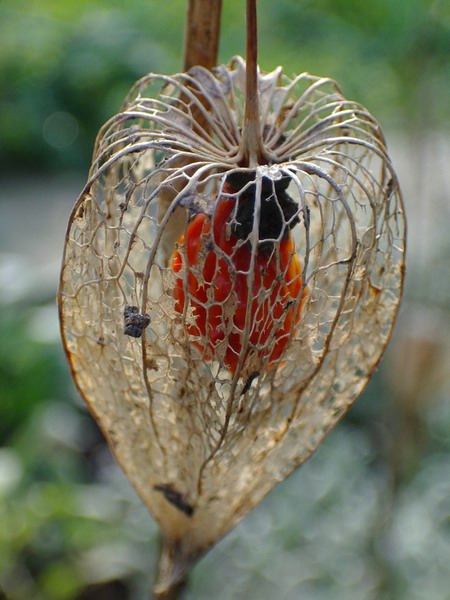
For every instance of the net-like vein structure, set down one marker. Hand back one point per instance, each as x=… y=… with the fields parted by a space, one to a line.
x=204 y=411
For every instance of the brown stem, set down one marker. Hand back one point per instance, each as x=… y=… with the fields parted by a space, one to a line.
x=201 y=45
x=202 y=33
x=252 y=150
x=173 y=593
x=172 y=572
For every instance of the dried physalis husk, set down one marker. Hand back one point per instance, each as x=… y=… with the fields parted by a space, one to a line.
x=219 y=320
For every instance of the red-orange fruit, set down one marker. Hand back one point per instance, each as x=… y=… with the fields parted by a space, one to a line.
x=218 y=272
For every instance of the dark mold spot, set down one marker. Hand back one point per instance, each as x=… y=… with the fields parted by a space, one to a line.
x=389 y=188
x=175 y=498
x=151 y=364
x=250 y=380
x=134 y=321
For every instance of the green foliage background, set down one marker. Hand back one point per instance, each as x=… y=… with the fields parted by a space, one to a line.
x=81 y=57
x=368 y=518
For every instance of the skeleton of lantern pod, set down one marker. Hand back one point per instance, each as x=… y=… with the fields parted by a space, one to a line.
x=218 y=318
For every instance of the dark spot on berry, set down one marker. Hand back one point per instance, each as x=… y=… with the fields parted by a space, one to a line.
x=278 y=211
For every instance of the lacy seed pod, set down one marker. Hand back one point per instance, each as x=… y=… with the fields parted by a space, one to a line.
x=258 y=299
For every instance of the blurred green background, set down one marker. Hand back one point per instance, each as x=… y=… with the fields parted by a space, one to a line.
x=368 y=517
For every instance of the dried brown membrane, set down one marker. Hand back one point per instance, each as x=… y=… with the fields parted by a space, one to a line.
x=203 y=443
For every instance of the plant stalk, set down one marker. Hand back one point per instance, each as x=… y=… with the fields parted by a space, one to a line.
x=252 y=150
x=202 y=35
x=172 y=572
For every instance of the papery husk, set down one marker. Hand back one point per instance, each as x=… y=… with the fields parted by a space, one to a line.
x=199 y=445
